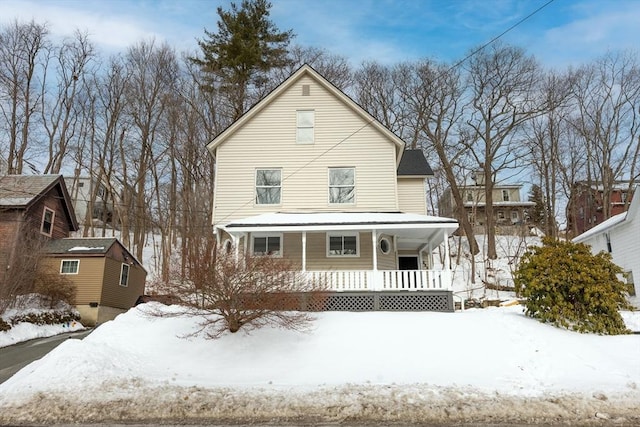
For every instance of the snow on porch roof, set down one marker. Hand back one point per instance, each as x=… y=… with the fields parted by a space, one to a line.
x=340 y=221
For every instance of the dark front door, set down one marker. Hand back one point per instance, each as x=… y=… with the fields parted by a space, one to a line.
x=407 y=263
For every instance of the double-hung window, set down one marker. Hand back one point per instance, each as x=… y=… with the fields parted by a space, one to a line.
x=305 y=122
x=267 y=245
x=69 y=266
x=46 y=227
x=505 y=195
x=342 y=185
x=124 y=275
x=346 y=244
x=268 y=186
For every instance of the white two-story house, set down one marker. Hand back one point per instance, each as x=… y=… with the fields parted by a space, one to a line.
x=309 y=175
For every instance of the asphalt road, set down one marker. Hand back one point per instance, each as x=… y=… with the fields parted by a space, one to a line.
x=17 y=356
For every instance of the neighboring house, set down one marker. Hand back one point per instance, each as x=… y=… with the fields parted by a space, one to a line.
x=108 y=278
x=309 y=175
x=90 y=196
x=33 y=209
x=511 y=213
x=585 y=209
x=619 y=236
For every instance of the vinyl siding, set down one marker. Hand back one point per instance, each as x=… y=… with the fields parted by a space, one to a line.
x=412 y=197
x=116 y=296
x=88 y=281
x=268 y=140
x=624 y=247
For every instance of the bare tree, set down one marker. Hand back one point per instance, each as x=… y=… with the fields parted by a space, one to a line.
x=503 y=95
x=547 y=135
x=22 y=48
x=607 y=94
x=62 y=110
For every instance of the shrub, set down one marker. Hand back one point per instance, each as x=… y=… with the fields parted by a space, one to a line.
x=4 y=326
x=566 y=285
x=54 y=287
x=46 y=318
x=247 y=292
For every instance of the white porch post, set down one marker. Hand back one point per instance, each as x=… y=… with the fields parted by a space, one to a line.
x=447 y=258
x=374 y=244
x=234 y=240
x=304 y=251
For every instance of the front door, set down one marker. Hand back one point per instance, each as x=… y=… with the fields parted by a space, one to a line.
x=408 y=262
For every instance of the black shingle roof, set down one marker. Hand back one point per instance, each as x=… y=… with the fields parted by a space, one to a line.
x=80 y=246
x=413 y=163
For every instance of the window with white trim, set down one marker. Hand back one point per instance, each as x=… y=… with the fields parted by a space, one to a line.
x=268 y=186
x=347 y=244
x=48 y=216
x=342 y=185
x=501 y=215
x=69 y=266
x=267 y=245
x=305 y=122
x=505 y=195
x=515 y=217
x=124 y=275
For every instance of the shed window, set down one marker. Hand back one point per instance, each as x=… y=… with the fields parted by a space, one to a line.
x=48 y=216
x=124 y=275
x=69 y=266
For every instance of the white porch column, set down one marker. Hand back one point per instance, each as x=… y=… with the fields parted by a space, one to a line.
x=304 y=251
x=374 y=243
x=447 y=258
x=234 y=240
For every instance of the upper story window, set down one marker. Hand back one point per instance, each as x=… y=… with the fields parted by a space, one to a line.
x=268 y=186
x=124 y=275
x=267 y=245
x=505 y=195
x=69 y=266
x=469 y=196
x=304 y=127
x=342 y=244
x=623 y=196
x=48 y=216
x=342 y=185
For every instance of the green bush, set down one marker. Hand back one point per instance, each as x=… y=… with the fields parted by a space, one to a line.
x=566 y=285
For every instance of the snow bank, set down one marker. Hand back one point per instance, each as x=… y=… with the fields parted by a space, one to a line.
x=491 y=365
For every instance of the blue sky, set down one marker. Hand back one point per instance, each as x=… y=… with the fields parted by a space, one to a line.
x=565 y=32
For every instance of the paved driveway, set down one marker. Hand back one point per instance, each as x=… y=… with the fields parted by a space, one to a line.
x=17 y=356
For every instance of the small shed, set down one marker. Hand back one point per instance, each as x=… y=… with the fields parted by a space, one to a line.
x=108 y=278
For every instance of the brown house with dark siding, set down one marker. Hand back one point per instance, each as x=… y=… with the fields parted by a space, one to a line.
x=33 y=210
x=108 y=278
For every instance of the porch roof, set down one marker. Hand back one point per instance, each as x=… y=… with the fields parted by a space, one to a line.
x=413 y=229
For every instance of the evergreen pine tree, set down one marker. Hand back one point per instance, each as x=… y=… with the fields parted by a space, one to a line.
x=241 y=53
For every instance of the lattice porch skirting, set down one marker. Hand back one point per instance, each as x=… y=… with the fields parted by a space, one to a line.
x=380 y=301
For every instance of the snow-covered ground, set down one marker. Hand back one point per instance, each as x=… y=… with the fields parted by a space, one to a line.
x=482 y=365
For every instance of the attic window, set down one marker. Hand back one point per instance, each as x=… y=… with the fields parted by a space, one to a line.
x=304 y=126
x=306 y=90
x=46 y=227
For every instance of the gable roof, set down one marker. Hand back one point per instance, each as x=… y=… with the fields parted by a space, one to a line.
x=22 y=191
x=305 y=70
x=613 y=222
x=413 y=163
x=85 y=246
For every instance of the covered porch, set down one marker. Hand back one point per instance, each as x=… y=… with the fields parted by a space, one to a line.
x=352 y=252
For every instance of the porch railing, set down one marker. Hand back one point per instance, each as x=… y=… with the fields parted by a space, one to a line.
x=381 y=280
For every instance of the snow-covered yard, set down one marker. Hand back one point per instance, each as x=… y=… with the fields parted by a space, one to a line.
x=482 y=365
